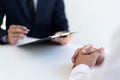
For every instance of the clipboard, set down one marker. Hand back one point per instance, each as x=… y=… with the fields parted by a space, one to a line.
x=47 y=40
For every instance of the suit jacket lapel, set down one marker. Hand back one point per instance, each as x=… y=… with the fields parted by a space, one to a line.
x=24 y=8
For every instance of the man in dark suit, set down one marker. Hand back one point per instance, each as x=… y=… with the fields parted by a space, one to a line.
x=33 y=18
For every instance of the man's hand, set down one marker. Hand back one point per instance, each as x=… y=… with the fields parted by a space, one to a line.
x=16 y=33
x=62 y=40
x=89 y=56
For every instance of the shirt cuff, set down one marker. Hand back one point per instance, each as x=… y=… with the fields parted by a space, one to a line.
x=4 y=39
x=80 y=72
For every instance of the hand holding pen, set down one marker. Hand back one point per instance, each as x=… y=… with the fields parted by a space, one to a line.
x=16 y=33
x=63 y=39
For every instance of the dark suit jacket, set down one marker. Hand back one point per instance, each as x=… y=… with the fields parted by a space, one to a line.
x=50 y=17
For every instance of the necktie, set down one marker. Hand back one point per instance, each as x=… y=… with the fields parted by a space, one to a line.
x=31 y=10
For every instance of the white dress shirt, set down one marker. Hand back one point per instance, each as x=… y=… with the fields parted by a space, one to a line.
x=35 y=3
x=110 y=70
x=80 y=72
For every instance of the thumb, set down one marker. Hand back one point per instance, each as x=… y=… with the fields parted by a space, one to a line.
x=95 y=54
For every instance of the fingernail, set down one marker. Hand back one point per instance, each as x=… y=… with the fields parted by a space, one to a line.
x=24 y=27
x=92 y=50
x=84 y=52
x=88 y=46
x=26 y=32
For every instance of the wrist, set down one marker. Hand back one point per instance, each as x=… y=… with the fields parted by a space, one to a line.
x=84 y=62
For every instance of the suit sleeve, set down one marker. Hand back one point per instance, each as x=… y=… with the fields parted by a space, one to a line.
x=2 y=32
x=60 y=21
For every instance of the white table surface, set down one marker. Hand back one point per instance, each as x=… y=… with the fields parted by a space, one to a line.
x=50 y=62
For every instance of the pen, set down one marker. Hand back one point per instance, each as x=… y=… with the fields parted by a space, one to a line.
x=62 y=35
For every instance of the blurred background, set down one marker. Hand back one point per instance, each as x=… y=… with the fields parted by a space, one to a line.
x=94 y=20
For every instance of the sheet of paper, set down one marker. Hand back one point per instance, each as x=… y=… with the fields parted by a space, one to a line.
x=27 y=40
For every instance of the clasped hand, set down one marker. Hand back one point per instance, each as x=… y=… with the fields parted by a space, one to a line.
x=88 y=55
